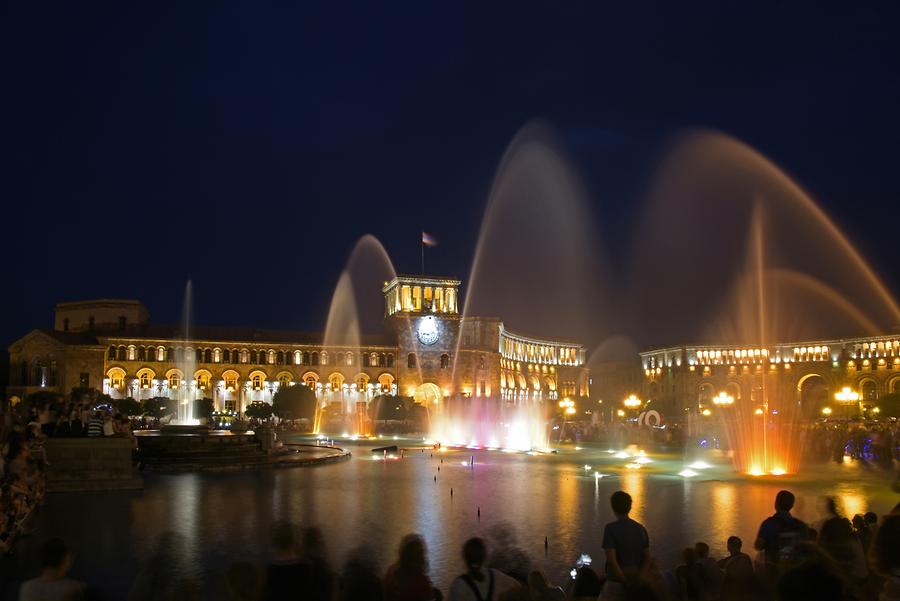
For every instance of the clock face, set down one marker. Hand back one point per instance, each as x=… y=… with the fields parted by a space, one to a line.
x=427 y=330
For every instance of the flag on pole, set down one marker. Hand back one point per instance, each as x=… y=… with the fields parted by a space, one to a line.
x=428 y=239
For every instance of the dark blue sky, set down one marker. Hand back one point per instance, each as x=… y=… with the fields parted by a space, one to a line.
x=249 y=145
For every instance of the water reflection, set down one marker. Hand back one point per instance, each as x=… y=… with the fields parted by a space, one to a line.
x=223 y=517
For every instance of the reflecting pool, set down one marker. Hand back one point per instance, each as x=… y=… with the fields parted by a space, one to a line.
x=223 y=517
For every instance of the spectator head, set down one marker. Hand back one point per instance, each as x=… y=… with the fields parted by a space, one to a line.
x=811 y=580
x=55 y=556
x=537 y=582
x=411 y=555
x=784 y=500
x=689 y=556
x=620 y=502
x=886 y=546
x=282 y=536
x=734 y=544
x=702 y=550
x=870 y=517
x=243 y=581
x=474 y=554
x=859 y=522
x=587 y=583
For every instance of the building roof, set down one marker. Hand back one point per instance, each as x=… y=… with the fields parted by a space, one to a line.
x=234 y=334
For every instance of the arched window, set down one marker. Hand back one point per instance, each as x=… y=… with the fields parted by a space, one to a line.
x=179 y=354
x=304 y=358
x=362 y=382
x=145 y=380
x=279 y=358
x=284 y=380
x=314 y=358
x=254 y=357
x=120 y=353
x=481 y=362
x=112 y=353
x=349 y=358
x=141 y=354
x=324 y=358
x=390 y=359
x=257 y=382
x=411 y=360
x=203 y=381
x=445 y=361
x=262 y=357
x=207 y=355
x=271 y=358
x=311 y=382
x=174 y=380
x=230 y=380
x=217 y=356
x=226 y=356
x=336 y=382
x=365 y=360
x=198 y=355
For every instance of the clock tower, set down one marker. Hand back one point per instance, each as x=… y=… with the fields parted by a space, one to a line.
x=423 y=313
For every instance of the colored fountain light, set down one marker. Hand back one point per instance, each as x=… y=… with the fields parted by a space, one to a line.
x=687 y=473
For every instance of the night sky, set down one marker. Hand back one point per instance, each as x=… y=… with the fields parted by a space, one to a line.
x=248 y=146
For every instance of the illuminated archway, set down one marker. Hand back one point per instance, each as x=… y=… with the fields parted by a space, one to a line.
x=428 y=394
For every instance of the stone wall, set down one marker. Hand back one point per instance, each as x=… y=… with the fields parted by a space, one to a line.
x=86 y=464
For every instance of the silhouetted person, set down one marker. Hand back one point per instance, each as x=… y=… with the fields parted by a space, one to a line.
x=407 y=579
x=479 y=583
x=243 y=582
x=540 y=590
x=321 y=577
x=781 y=534
x=689 y=577
x=885 y=556
x=738 y=582
x=627 y=547
x=52 y=584
x=837 y=538
x=811 y=580
x=359 y=580
x=287 y=573
x=709 y=571
x=587 y=584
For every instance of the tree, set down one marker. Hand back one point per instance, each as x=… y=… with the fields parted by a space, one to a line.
x=203 y=408
x=259 y=410
x=387 y=407
x=294 y=402
x=158 y=406
x=127 y=406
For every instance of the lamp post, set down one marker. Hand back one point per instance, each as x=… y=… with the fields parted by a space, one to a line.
x=723 y=400
x=847 y=396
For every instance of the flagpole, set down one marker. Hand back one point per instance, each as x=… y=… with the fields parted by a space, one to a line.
x=423 y=257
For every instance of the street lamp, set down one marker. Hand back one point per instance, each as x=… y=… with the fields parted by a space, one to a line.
x=632 y=402
x=723 y=399
x=826 y=411
x=847 y=396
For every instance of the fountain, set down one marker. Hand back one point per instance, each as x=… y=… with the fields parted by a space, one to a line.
x=342 y=405
x=184 y=393
x=750 y=260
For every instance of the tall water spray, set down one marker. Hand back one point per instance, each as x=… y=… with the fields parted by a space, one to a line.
x=732 y=252
x=187 y=386
x=345 y=394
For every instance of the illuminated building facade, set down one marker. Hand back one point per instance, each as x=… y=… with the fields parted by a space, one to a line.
x=809 y=373
x=428 y=350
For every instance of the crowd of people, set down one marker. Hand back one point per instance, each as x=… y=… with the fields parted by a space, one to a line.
x=873 y=442
x=836 y=559
x=22 y=462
